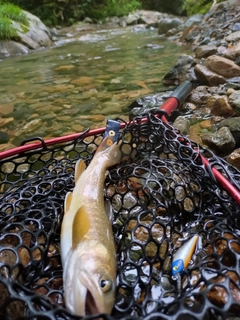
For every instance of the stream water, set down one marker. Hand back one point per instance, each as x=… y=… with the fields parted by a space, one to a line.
x=81 y=82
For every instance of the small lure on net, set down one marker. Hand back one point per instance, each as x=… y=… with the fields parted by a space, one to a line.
x=182 y=258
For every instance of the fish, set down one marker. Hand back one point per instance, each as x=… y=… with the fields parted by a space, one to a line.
x=87 y=245
x=183 y=256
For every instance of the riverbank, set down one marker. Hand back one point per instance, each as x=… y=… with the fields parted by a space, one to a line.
x=215 y=67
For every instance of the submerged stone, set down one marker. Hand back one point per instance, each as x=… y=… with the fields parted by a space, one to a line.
x=4 y=137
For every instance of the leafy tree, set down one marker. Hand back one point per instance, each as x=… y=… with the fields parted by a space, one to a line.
x=174 y=7
x=68 y=11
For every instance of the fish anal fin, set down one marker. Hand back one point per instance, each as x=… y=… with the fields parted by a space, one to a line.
x=67 y=202
x=79 y=168
x=80 y=226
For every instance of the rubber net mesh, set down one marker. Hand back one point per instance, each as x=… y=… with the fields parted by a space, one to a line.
x=160 y=197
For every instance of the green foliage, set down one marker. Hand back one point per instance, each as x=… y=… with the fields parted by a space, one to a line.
x=66 y=12
x=200 y=6
x=173 y=7
x=9 y=13
x=117 y=8
x=6 y=29
x=53 y=12
x=13 y=12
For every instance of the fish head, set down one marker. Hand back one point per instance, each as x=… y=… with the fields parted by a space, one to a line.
x=92 y=285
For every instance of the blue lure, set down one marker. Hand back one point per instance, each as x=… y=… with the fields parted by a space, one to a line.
x=183 y=256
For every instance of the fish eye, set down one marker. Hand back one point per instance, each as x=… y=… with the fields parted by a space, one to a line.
x=105 y=284
x=175 y=268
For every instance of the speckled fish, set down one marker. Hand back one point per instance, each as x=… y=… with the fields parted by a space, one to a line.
x=183 y=256
x=87 y=246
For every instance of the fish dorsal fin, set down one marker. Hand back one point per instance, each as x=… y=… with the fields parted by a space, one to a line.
x=79 y=168
x=106 y=143
x=67 y=202
x=80 y=227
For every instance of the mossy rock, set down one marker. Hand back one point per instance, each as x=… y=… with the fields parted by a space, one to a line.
x=10 y=14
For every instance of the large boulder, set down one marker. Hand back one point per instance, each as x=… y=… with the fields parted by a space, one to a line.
x=167 y=24
x=223 y=66
x=196 y=19
x=31 y=37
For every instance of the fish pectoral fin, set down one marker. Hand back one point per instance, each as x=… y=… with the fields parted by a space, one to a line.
x=79 y=168
x=80 y=226
x=108 y=209
x=67 y=202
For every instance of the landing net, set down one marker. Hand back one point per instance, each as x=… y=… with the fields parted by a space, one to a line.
x=160 y=197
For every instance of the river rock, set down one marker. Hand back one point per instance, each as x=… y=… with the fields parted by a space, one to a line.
x=233 y=124
x=4 y=121
x=234 y=100
x=199 y=96
x=232 y=53
x=81 y=81
x=182 y=124
x=4 y=137
x=12 y=48
x=233 y=37
x=190 y=33
x=233 y=83
x=223 y=66
x=195 y=19
x=150 y=18
x=30 y=126
x=38 y=32
x=183 y=70
x=132 y=18
x=208 y=77
x=167 y=24
x=236 y=27
x=219 y=106
x=222 y=141
x=205 y=51
x=234 y=158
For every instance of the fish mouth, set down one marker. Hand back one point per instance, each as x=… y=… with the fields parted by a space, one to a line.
x=88 y=294
x=90 y=304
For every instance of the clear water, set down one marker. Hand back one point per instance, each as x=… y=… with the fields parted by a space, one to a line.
x=81 y=81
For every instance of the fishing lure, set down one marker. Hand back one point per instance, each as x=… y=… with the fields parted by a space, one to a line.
x=183 y=256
